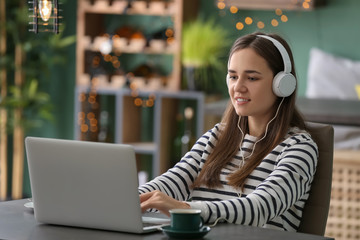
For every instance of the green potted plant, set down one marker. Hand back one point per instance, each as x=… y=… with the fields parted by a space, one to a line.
x=204 y=46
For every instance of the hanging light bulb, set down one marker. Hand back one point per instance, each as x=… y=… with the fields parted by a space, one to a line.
x=45 y=16
x=45 y=8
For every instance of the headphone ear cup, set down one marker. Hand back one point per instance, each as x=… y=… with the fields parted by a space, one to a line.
x=284 y=84
x=227 y=79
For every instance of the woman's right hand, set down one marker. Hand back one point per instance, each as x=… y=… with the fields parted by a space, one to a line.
x=160 y=201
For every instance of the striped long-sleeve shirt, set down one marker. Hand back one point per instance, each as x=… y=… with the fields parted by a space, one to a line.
x=274 y=193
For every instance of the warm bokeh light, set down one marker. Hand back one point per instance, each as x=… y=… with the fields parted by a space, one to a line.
x=306 y=5
x=278 y=11
x=82 y=97
x=221 y=5
x=239 y=26
x=138 y=102
x=90 y=115
x=93 y=122
x=114 y=59
x=84 y=128
x=169 y=32
x=260 y=25
x=284 y=18
x=234 y=9
x=93 y=128
x=107 y=57
x=248 y=20
x=116 y=64
x=149 y=103
x=91 y=100
x=274 y=22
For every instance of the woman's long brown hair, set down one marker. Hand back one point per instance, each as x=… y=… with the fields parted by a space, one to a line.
x=229 y=140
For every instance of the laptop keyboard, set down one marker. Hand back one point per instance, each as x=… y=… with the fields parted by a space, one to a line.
x=155 y=221
x=152 y=224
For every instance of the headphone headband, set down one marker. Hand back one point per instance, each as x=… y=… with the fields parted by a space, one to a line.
x=283 y=52
x=284 y=83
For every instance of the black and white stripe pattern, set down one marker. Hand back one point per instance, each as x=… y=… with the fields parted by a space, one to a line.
x=274 y=194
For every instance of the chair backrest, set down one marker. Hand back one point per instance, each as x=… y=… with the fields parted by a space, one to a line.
x=316 y=209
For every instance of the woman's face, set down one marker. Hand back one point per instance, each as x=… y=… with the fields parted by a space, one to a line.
x=250 y=85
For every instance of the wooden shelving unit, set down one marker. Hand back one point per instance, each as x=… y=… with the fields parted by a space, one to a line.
x=91 y=34
x=128 y=126
x=125 y=88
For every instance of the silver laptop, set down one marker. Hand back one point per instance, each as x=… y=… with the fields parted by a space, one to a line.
x=86 y=184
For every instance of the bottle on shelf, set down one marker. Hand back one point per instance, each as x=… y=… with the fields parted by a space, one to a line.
x=149 y=71
x=104 y=132
x=184 y=137
x=136 y=40
x=187 y=140
x=164 y=35
x=176 y=151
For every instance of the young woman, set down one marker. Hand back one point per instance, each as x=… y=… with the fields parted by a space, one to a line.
x=257 y=165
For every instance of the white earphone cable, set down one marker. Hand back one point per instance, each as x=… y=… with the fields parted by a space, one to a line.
x=242 y=154
x=266 y=130
x=253 y=149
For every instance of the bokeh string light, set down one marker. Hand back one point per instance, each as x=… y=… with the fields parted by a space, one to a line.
x=279 y=17
x=221 y=4
x=88 y=118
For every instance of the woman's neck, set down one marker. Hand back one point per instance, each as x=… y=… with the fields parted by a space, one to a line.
x=257 y=126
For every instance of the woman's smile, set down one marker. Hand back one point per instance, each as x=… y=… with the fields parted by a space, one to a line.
x=241 y=100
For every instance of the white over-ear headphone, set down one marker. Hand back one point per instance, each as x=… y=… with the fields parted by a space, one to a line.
x=284 y=83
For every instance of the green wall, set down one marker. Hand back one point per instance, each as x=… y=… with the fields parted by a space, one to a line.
x=62 y=89
x=334 y=28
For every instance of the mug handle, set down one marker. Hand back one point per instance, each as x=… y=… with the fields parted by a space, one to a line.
x=201 y=222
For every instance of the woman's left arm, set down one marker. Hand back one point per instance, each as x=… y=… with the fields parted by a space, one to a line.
x=289 y=182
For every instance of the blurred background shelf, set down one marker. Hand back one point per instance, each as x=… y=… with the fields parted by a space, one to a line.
x=119 y=36
x=148 y=120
